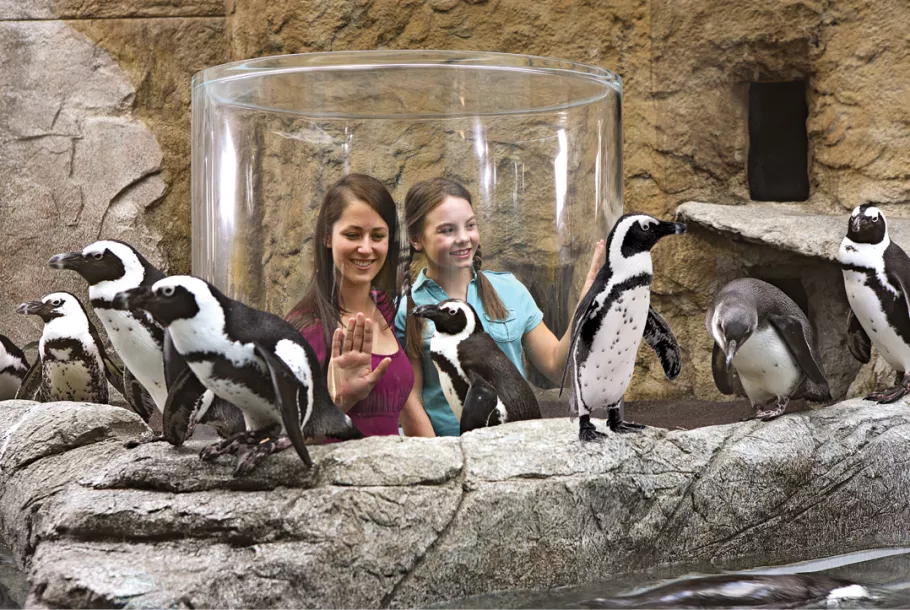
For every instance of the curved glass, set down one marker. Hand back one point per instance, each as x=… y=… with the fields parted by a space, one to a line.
x=536 y=141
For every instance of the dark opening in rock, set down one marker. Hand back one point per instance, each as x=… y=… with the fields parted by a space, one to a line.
x=791 y=286
x=778 y=166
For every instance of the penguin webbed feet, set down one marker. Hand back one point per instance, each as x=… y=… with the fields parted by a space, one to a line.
x=250 y=447
x=619 y=426
x=587 y=432
x=769 y=414
x=892 y=394
x=145 y=439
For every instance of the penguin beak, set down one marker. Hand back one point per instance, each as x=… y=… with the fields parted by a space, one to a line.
x=731 y=353
x=672 y=228
x=134 y=298
x=67 y=260
x=430 y=312
x=33 y=308
x=855 y=224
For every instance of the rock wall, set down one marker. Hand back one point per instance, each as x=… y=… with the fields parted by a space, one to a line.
x=396 y=522
x=98 y=140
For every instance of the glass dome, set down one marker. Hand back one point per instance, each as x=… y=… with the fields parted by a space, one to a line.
x=536 y=141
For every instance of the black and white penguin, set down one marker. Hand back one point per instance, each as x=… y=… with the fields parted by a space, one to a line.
x=13 y=367
x=877 y=279
x=251 y=358
x=480 y=383
x=763 y=341
x=741 y=590
x=111 y=267
x=611 y=320
x=72 y=364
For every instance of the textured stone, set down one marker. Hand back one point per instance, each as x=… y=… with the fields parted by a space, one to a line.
x=409 y=522
x=108 y=9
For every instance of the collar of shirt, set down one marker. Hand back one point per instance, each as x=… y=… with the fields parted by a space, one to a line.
x=435 y=290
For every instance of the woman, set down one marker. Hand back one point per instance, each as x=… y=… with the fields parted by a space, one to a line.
x=368 y=373
x=440 y=221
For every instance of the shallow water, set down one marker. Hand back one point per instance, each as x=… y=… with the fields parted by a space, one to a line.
x=12 y=581
x=885 y=572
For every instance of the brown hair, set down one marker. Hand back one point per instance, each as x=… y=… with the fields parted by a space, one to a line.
x=320 y=302
x=421 y=199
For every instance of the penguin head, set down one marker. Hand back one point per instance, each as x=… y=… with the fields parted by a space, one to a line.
x=176 y=297
x=636 y=233
x=54 y=305
x=102 y=261
x=867 y=225
x=735 y=324
x=451 y=317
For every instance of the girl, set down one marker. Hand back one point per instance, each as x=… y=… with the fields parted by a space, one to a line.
x=368 y=374
x=440 y=222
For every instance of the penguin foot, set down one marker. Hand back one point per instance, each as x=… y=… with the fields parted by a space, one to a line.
x=590 y=433
x=227 y=446
x=144 y=440
x=890 y=395
x=249 y=456
x=624 y=427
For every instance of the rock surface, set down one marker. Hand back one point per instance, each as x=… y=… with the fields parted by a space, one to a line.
x=391 y=522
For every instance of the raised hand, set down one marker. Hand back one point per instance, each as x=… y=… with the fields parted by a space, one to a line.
x=351 y=375
x=597 y=261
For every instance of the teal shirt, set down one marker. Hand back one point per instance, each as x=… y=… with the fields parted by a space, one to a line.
x=524 y=315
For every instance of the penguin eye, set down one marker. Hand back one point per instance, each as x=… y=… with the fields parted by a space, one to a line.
x=168 y=291
x=645 y=226
x=97 y=255
x=875 y=219
x=57 y=302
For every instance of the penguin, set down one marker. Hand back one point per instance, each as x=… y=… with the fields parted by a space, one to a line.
x=13 y=367
x=110 y=267
x=764 y=347
x=611 y=321
x=251 y=358
x=73 y=364
x=740 y=590
x=877 y=279
x=482 y=386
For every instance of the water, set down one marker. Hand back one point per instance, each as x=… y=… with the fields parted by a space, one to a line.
x=885 y=572
x=13 y=586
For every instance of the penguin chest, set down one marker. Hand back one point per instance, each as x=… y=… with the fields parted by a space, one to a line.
x=138 y=349
x=766 y=367
x=9 y=385
x=602 y=378
x=77 y=380
x=244 y=387
x=452 y=378
x=876 y=316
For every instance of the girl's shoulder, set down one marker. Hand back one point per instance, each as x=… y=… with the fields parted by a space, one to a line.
x=505 y=281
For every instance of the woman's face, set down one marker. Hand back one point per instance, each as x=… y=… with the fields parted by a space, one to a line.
x=360 y=243
x=450 y=236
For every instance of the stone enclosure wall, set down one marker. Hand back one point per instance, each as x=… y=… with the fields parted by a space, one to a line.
x=96 y=124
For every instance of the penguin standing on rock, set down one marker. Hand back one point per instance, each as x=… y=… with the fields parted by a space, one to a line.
x=111 y=267
x=73 y=364
x=877 y=278
x=480 y=383
x=611 y=320
x=764 y=347
x=13 y=367
x=253 y=359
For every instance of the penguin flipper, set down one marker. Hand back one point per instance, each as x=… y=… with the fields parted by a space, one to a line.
x=790 y=329
x=660 y=338
x=31 y=383
x=479 y=405
x=288 y=395
x=580 y=313
x=137 y=397
x=858 y=341
x=724 y=379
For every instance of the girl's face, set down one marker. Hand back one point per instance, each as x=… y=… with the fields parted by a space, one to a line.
x=360 y=243
x=450 y=236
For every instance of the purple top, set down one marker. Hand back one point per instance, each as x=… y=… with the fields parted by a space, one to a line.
x=377 y=414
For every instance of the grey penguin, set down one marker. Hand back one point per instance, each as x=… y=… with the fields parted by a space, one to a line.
x=110 y=267
x=738 y=591
x=251 y=358
x=13 y=367
x=480 y=383
x=73 y=364
x=611 y=320
x=877 y=279
x=764 y=347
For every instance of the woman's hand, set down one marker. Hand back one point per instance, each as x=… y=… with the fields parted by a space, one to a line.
x=351 y=375
x=597 y=261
